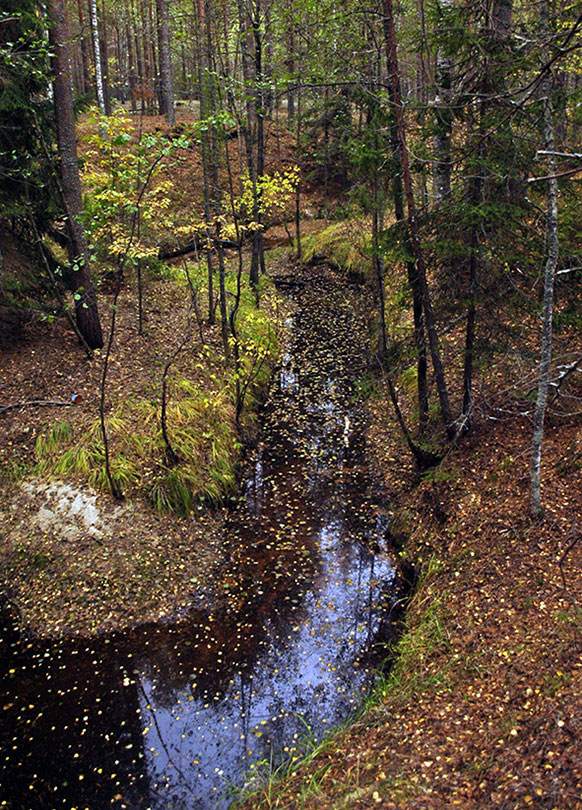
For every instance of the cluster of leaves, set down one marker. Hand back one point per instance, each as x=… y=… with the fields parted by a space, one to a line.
x=25 y=112
x=274 y=192
x=126 y=197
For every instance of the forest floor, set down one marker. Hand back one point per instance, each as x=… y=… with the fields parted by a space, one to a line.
x=483 y=705
x=72 y=560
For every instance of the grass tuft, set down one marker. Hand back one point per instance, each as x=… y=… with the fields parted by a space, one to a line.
x=345 y=243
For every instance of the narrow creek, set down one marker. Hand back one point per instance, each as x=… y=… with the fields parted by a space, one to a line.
x=175 y=715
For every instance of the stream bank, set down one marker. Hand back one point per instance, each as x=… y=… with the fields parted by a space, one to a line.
x=483 y=705
x=73 y=562
x=281 y=647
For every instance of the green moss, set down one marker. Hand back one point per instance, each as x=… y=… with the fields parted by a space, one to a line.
x=345 y=243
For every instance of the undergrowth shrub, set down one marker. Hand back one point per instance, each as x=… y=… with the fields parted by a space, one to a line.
x=200 y=420
x=202 y=434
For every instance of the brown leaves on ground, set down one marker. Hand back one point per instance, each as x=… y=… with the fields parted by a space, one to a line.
x=484 y=705
x=134 y=565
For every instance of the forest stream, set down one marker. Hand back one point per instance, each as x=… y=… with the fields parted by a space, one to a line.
x=177 y=715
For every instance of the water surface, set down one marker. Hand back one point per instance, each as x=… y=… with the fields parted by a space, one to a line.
x=173 y=716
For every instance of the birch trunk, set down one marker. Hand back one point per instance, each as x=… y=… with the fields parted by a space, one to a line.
x=97 y=56
x=549 y=274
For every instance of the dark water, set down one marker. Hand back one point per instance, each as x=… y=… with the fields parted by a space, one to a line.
x=172 y=716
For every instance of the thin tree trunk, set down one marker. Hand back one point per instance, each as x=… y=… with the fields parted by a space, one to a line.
x=216 y=184
x=550 y=270
x=443 y=116
x=148 y=58
x=290 y=62
x=475 y=197
x=379 y=266
x=86 y=311
x=413 y=280
x=235 y=307
x=84 y=49
x=97 y=56
x=470 y=332
x=260 y=112
x=122 y=66
x=165 y=60
x=104 y=51
x=141 y=86
x=298 y=189
x=413 y=228
x=152 y=41
x=250 y=82
x=203 y=69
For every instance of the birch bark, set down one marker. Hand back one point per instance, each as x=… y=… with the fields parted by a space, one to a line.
x=549 y=274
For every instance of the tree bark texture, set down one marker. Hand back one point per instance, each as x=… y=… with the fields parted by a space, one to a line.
x=85 y=299
x=97 y=56
x=165 y=60
x=104 y=52
x=549 y=275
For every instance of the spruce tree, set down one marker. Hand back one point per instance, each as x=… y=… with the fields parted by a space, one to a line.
x=25 y=113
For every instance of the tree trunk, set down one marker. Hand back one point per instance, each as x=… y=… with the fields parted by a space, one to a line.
x=148 y=59
x=84 y=49
x=443 y=116
x=470 y=332
x=217 y=191
x=550 y=270
x=104 y=50
x=475 y=198
x=413 y=228
x=413 y=267
x=97 y=57
x=298 y=189
x=165 y=60
x=132 y=69
x=290 y=63
x=203 y=69
x=85 y=299
x=260 y=113
x=413 y=283
x=250 y=79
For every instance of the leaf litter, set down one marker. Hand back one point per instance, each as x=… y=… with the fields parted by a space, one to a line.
x=276 y=651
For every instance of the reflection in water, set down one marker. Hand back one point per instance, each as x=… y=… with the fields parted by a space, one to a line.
x=171 y=716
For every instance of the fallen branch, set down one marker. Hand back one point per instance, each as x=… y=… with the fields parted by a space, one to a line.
x=564 y=372
x=35 y=402
x=193 y=247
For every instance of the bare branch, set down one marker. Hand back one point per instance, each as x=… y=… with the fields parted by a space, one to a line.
x=36 y=403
